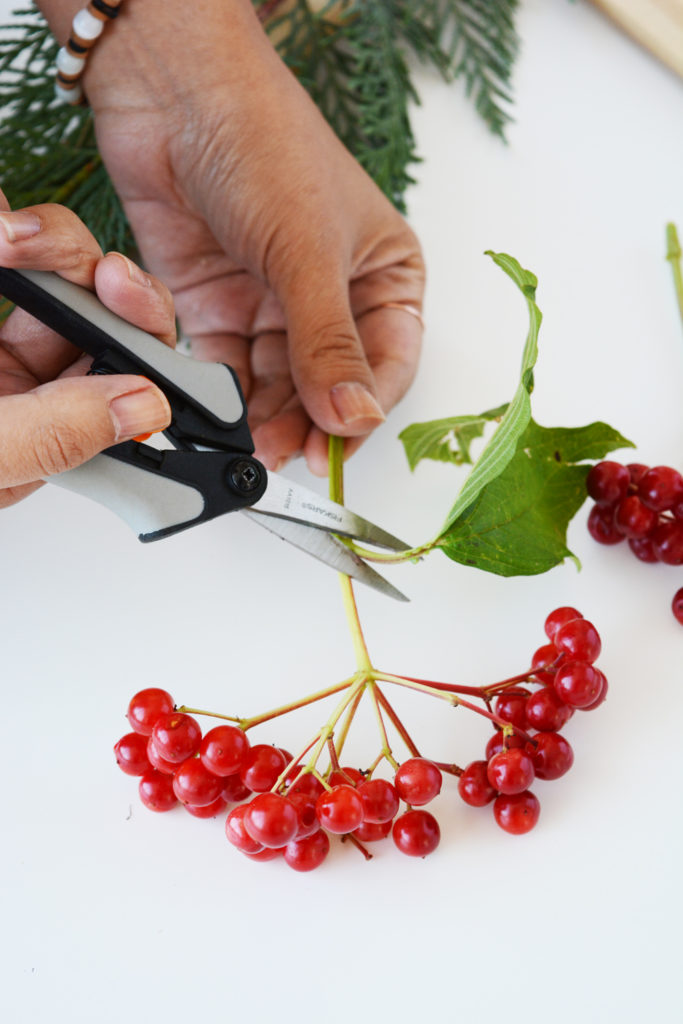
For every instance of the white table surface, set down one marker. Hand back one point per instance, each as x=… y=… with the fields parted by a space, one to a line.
x=111 y=913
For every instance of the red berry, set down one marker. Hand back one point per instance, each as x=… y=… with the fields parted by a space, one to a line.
x=677 y=605
x=607 y=482
x=265 y=854
x=634 y=519
x=176 y=736
x=271 y=820
x=667 y=542
x=416 y=833
x=236 y=831
x=309 y=853
x=146 y=707
x=194 y=784
x=234 y=789
x=209 y=811
x=518 y=813
x=418 y=781
x=579 y=640
x=558 y=618
x=223 y=749
x=511 y=706
x=543 y=657
x=552 y=755
x=308 y=784
x=602 y=694
x=602 y=527
x=370 y=832
x=340 y=810
x=346 y=777
x=578 y=684
x=661 y=488
x=261 y=767
x=304 y=805
x=643 y=549
x=156 y=791
x=499 y=742
x=159 y=762
x=380 y=801
x=131 y=754
x=636 y=471
x=546 y=712
x=474 y=786
x=511 y=771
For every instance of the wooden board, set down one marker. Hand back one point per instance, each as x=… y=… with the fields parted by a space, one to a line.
x=656 y=24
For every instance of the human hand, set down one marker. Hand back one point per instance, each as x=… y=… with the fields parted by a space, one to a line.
x=281 y=253
x=52 y=416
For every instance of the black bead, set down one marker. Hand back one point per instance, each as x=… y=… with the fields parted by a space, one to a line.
x=106 y=9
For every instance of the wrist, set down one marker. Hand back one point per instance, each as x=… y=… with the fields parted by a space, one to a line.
x=162 y=53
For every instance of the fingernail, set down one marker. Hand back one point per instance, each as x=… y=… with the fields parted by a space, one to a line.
x=353 y=403
x=139 y=412
x=20 y=225
x=135 y=274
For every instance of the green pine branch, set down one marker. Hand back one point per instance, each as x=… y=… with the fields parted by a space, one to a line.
x=352 y=56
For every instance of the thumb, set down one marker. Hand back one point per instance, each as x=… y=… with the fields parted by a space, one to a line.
x=59 y=425
x=329 y=366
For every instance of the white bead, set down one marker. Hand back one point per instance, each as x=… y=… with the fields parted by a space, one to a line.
x=86 y=25
x=68 y=64
x=72 y=96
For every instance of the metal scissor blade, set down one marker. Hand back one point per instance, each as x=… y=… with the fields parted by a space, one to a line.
x=289 y=501
x=325 y=548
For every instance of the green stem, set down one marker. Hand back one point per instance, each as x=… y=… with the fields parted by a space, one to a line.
x=336 y=472
x=328 y=729
x=390 y=557
x=398 y=724
x=284 y=709
x=386 y=748
x=346 y=724
x=249 y=723
x=211 y=714
x=673 y=254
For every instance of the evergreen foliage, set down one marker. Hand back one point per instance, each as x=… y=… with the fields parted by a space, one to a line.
x=351 y=55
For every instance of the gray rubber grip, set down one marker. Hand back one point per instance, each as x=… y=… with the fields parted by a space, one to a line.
x=146 y=501
x=210 y=384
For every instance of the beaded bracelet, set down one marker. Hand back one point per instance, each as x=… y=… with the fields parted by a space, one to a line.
x=87 y=28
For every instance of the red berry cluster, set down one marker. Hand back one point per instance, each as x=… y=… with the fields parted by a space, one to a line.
x=284 y=808
x=297 y=823
x=643 y=506
x=205 y=774
x=569 y=681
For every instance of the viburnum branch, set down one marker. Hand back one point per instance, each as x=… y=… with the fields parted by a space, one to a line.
x=346 y=724
x=386 y=746
x=673 y=254
x=332 y=751
x=397 y=723
x=288 y=769
x=328 y=729
x=185 y=710
x=284 y=709
x=453 y=699
x=357 y=843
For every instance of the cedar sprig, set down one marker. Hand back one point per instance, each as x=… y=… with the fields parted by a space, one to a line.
x=353 y=56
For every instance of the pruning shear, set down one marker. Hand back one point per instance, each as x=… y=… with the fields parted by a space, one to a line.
x=209 y=469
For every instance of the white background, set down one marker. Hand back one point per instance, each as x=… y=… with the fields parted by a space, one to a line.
x=111 y=913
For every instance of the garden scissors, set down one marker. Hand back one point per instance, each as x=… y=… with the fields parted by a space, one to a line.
x=209 y=468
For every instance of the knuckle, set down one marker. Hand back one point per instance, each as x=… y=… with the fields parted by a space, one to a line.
x=58 y=447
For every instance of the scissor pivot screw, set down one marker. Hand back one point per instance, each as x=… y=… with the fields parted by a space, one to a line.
x=245 y=476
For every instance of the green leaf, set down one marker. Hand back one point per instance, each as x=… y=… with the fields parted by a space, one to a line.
x=446 y=440
x=517 y=523
x=503 y=444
